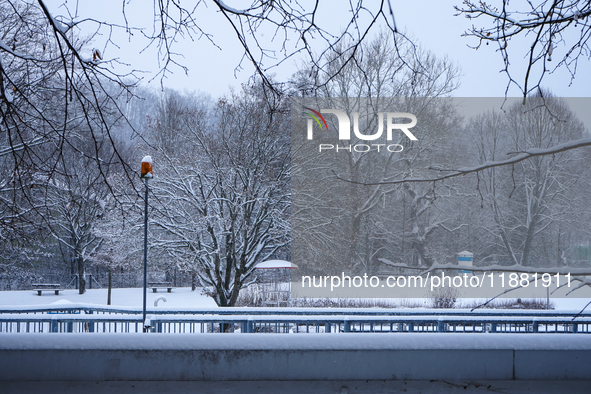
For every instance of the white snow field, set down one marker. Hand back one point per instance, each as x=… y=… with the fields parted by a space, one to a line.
x=178 y=298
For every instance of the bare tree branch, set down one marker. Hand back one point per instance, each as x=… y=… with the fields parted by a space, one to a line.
x=527 y=154
x=553 y=30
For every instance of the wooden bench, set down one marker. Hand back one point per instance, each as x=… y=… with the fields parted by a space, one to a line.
x=40 y=287
x=160 y=285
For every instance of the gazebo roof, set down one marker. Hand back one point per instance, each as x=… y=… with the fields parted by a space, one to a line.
x=275 y=264
x=465 y=252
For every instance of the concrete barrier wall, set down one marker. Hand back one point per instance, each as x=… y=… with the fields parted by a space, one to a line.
x=107 y=357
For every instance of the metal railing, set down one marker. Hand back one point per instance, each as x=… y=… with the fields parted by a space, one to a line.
x=81 y=318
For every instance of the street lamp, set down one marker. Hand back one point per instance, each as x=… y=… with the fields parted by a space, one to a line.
x=146 y=173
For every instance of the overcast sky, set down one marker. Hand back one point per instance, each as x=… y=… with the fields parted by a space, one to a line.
x=213 y=69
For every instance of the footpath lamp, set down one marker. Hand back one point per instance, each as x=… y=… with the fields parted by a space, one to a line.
x=146 y=174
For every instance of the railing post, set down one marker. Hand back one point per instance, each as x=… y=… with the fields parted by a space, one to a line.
x=575 y=328
x=54 y=326
x=440 y=326
x=535 y=326
x=346 y=326
x=493 y=327
x=327 y=327
x=411 y=327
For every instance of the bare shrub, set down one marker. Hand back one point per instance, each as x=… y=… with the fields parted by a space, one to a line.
x=444 y=298
x=512 y=303
x=350 y=303
x=250 y=296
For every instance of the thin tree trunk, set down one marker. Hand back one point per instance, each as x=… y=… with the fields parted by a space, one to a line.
x=109 y=288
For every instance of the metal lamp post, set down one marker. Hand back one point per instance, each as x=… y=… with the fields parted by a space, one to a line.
x=146 y=174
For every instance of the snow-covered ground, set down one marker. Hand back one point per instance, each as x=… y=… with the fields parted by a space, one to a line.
x=179 y=298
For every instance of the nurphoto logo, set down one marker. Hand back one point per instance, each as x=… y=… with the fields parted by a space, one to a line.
x=344 y=130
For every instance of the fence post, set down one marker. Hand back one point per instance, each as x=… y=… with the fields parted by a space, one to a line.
x=327 y=327
x=440 y=326
x=346 y=326
x=54 y=326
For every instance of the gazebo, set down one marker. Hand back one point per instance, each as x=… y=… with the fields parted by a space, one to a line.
x=276 y=282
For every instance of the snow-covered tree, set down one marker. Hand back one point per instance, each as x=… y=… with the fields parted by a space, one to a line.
x=119 y=234
x=223 y=204
x=76 y=194
x=74 y=204
x=57 y=55
x=51 y=82
x=530 y=199
x=523 y=208
x=328 y=212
